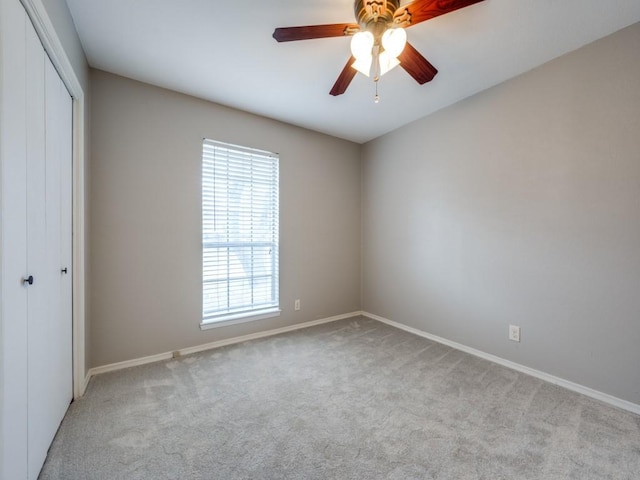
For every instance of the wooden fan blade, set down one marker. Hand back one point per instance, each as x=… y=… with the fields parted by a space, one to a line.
x=421 y=10
x=344 y=79
x=288 y=34
x=416 y=65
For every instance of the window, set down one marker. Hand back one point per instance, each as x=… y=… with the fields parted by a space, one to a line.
x=239 y=234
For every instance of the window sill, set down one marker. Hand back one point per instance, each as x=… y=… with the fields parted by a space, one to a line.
x=239 y=318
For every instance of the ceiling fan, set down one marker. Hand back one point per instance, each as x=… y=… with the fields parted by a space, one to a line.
x=379 y=42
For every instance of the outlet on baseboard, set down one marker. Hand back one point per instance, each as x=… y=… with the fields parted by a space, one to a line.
x=514 y=333
x=296 y=304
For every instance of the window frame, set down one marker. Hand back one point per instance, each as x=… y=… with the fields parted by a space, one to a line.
x=254 y=157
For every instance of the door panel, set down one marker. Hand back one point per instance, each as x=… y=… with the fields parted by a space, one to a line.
x=50 y=369
x=66 y=244
x=59 y=147
x=40 y=293
x=13 y=454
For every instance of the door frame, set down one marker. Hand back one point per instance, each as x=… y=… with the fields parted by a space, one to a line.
x=53 y=47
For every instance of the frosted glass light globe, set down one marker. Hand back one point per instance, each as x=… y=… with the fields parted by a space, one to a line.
x=362 y=48
x=361 y=44
x=393 y=41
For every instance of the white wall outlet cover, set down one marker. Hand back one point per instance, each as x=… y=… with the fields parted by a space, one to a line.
x=514 y=333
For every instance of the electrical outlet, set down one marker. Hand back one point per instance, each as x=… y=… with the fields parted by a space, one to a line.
x=514 y=333
x=296 y=304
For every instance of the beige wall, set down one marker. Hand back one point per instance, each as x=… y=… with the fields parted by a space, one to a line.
x=145 y=222
x=520 y=205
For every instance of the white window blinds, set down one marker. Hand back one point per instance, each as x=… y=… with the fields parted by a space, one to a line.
x=239 y=231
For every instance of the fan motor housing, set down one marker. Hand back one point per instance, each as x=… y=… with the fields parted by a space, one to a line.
x=373 y=11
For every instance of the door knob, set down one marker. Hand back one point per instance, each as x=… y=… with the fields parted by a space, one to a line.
x=64 y=270
x=28 y=280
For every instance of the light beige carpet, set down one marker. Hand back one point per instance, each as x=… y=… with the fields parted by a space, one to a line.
x=353 y=399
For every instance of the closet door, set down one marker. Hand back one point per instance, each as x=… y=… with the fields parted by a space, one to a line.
x=38 y=293
x=35 y=243
x=64 y=122
x=66 y=234
x=13 y=338
x=49 y=353
x=58 y=363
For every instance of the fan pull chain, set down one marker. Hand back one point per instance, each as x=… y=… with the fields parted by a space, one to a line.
x=376 y=99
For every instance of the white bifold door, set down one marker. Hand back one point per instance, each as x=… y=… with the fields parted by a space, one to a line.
x=36 y=154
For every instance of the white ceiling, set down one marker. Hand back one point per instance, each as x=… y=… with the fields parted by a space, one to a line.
x=223 y=51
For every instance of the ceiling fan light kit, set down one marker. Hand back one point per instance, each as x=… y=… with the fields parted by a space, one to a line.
x=379 y=40
x=375 y=57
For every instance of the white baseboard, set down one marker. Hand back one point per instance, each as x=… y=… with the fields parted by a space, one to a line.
x=589 y=392
x=85 y=383
x=209 y=346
